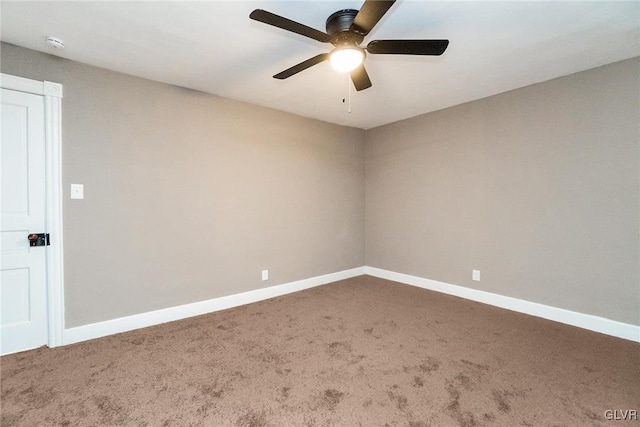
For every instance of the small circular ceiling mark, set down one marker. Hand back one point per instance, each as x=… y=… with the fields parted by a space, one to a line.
x=55 y=42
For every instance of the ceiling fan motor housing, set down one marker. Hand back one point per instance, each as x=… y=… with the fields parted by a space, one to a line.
x=338 y=27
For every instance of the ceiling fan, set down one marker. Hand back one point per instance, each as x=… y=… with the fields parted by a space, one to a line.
x=346 y=29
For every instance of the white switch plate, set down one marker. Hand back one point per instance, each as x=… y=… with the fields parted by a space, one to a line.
x=476 y=275
x=265 y=274
x=77 y=191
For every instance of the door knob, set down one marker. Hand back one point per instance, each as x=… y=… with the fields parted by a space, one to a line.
x=40 y=239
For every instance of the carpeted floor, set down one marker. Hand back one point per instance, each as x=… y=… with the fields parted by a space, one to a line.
x=362 y=351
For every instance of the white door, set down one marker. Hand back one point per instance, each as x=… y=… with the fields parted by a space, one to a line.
x=23 y=290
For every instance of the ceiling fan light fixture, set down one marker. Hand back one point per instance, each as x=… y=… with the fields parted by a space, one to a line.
x=345 y=59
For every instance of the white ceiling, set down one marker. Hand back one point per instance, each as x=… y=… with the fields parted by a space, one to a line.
x=214 y=47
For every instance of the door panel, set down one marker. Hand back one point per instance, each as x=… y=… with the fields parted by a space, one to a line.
x=23 y=303
x=15 y=296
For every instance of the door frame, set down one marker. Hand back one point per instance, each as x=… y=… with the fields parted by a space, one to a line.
x=52 y=94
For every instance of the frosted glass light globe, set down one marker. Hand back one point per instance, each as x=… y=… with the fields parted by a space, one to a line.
x=346 y=59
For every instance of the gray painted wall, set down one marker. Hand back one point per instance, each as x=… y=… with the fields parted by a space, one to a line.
x=538 y=188
x=189 y=196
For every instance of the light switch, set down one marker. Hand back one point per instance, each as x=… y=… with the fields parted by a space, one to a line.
x=77 y=191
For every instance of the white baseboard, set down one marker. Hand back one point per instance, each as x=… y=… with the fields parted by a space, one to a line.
x=137 y=321
x=581 y=320
x=129 y=323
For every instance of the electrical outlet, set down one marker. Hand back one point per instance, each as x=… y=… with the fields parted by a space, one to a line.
x=475 y=275
x=265 y=274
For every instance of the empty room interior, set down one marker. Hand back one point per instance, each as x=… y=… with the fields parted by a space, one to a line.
x=335 y=213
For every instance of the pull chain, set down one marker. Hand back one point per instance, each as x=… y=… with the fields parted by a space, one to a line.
x=348 y=98
x=349 y=92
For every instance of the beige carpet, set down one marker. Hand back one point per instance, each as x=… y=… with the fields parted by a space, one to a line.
x=363 y=351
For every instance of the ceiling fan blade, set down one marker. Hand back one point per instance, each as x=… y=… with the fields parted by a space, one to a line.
x=408 y=47
x=360 y=78
x=301 y=66
x=369 y=15
x=289 y=25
